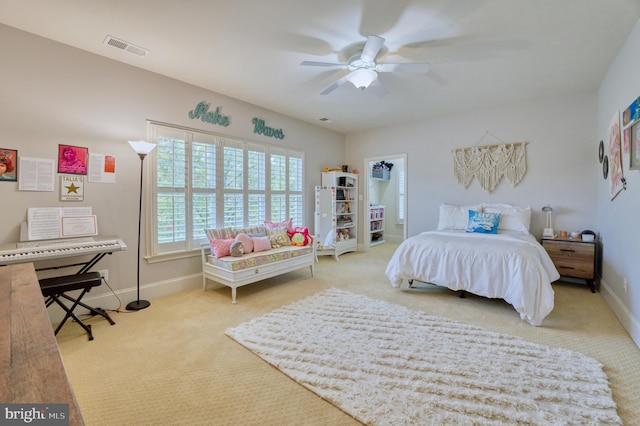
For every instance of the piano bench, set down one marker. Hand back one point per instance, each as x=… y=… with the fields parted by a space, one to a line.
x=57 y=287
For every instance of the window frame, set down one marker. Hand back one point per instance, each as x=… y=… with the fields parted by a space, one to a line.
x=158 y=251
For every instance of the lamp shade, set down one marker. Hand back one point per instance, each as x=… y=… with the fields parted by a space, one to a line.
x=142 y=147
x=362 y=77
x=548 y=229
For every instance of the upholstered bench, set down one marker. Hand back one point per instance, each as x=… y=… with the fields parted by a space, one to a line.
x=237 y=271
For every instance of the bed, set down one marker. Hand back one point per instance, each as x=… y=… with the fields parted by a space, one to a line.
x=499 y=259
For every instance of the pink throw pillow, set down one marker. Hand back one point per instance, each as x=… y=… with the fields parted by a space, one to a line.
x=221 y=248
x=285 y=223
x=261 y=243
x=246 y=242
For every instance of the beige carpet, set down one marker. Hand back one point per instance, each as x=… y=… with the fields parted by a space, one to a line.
x=385 y=364
x=172 y=364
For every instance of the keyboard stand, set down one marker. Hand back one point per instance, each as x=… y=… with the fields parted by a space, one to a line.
x=56 y=288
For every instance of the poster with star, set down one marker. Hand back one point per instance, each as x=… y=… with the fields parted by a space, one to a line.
x=71 y=188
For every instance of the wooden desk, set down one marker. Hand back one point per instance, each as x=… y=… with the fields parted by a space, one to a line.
x=31 y=368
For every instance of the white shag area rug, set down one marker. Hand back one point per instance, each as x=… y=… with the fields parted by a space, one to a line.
x=385 y=364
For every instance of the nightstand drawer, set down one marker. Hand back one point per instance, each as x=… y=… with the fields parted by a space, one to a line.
x=572 y=268
x=574 y=250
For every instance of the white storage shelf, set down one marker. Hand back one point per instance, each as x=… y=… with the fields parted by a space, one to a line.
x=376 y=224
x=336 y=214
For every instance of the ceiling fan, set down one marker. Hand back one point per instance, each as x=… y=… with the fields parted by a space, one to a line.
x=364 y=69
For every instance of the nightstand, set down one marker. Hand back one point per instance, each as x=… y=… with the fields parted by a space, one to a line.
x=573 y=258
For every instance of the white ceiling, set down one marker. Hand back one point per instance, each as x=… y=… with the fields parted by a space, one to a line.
x=482 y=52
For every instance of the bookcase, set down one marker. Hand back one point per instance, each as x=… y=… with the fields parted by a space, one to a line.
x=336 y=215
x=376 y=224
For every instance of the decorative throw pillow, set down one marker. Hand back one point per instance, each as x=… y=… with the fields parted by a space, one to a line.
x=288 y=224
x=300 y=237
x=261 y=243
x=220 y=234
x=236 y=249
x=455 y=217
x=279 y=237
x=514 y=218
x=221 y=248
x=484 y=223
x=246 y=241
x=253 y=230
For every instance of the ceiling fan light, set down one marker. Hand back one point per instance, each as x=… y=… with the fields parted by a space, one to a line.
x=362 y=77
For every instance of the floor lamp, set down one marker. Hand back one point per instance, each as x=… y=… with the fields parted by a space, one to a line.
x=141 y=148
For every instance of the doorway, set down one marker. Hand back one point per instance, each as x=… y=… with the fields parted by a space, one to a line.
x=385 y=200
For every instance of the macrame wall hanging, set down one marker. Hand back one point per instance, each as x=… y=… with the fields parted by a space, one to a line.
x=490 y=163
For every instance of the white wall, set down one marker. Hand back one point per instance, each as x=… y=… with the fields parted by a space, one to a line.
x=561 y=164
x=618 y=219
x=55 y=94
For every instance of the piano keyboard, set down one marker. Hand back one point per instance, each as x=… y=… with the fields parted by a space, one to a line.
x=58 y=248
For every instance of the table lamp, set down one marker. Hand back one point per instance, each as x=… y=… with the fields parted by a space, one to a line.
x=548 y=229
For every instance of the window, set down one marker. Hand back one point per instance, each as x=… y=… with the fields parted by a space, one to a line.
x=202 y=180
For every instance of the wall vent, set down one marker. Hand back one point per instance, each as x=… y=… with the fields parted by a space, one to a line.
x=126 y=46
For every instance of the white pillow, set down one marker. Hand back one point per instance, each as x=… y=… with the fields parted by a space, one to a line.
x=455 y=217
x=514 y=218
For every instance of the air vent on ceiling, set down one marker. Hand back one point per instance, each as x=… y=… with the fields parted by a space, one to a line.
x=126 y=46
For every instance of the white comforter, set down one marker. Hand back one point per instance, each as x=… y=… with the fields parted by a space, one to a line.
x=512 y=266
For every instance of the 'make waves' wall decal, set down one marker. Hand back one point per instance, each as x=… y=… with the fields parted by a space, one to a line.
x=201 y=112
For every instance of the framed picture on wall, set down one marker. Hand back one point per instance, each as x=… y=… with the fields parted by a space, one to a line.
x=72 y=159
x=634 y=147
x=8 y=165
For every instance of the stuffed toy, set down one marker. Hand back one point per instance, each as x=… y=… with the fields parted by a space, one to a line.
x=279 y=239
x=343 y=235
x=300 y=237
x=236 y=249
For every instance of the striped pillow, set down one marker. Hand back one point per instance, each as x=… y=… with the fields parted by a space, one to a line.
x=220 y=234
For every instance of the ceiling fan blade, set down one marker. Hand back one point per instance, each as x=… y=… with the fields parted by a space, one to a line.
x=323 y=64
x=371 y=48
x=334 y=86
x=408 y=67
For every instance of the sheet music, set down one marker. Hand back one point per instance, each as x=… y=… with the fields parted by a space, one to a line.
x=73 y=226
x=45 y=223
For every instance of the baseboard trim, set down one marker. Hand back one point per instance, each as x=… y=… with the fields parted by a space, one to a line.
x=393 y=238
x=109 y=300
x=628 y=321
